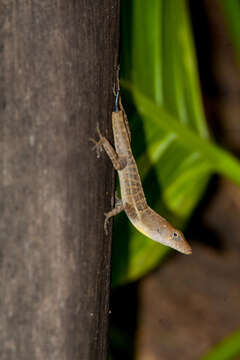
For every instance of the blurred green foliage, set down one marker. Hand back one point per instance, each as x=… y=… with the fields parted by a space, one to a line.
x=228 y=349
x=169 y=132
x=170 y=139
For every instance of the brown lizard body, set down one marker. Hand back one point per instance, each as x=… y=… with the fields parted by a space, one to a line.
x=133 y=200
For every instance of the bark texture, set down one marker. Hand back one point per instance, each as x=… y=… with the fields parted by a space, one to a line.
x=56 y=77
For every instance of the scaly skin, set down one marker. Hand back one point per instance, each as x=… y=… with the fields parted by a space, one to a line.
x=133 y=201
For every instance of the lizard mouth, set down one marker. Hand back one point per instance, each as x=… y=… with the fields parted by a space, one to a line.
x=187 y=250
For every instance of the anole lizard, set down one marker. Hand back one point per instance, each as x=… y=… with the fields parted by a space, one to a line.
x=133 y=201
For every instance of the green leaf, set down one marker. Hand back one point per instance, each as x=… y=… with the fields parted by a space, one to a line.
x=170 y=139
x=228 y=349
x=217 y=159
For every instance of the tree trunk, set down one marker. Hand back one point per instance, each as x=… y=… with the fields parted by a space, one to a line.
x=57 y=63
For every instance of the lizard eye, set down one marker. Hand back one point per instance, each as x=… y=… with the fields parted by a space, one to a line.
x=176 y=236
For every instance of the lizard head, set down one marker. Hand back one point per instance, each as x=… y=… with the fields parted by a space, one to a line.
x=172 y=237
x=157 y=228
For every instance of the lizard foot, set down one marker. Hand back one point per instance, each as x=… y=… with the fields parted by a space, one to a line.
x=116 y=210
x=98 y=143
x=107 y=217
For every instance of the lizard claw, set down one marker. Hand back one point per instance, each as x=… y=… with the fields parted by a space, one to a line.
x=107 y=217
x=97 y=146
x=99 y=143
x=98 y=131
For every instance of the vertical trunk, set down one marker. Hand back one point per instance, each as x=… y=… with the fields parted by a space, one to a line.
x=56 y=78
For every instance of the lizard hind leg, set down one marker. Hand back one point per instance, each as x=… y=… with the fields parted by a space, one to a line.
x=116 y=210
x=119 y=163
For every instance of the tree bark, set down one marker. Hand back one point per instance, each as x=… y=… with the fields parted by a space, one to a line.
x=57 y=61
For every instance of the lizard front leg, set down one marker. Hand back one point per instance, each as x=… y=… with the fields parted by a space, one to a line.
x=115 y=211
x=119 y=163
